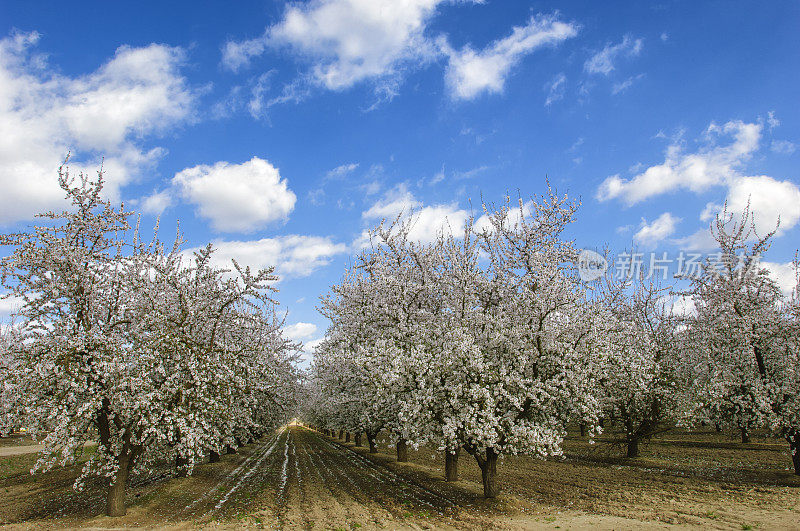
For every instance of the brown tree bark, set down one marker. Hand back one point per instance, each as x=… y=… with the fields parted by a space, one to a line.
x=583 y=429
x=793 y=437
x=745 y=435
x=115 y=499
x=181 y=466
x=633 y=447
x=451 y=465
x=488 y=465
x=347 y=437
x=402 y=450
x=213 y=457
x=358 y=438
x=371 y=440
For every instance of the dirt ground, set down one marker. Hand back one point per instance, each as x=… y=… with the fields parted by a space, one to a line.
x=299 y=479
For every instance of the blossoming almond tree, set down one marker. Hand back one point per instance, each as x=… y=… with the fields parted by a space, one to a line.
x=121 y=343
x=743 y=351
x=637 y=356
x=491 y=357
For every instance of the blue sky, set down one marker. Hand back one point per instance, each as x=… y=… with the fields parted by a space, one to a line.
x=281 y=131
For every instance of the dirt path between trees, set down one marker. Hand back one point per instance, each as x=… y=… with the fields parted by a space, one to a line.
x=300 y=479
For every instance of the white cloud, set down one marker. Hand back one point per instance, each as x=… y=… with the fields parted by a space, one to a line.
x=772 y=120
x=311 y=346
x=555 y=89
x=783 y=146
x=710 y=211
x=769 y=200
x=105 y=114
x=426 y=221
x=346 y=41
x=621 y=87
x=681 y=305
x=300 y=331
x=292 y=255
x=602 y=62
x=10 y=305
x=237 y=197
x=700 y=240
x=711 y=166
x=471 y=73
x=342 y=171
x=784 y=274
x=398 y=200
x=649 y=234
x=513 y=219
x=156 y=203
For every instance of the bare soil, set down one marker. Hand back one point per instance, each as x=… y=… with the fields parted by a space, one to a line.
x=299 y=479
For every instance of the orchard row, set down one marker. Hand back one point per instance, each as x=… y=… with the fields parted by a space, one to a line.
x=488 y=341
x=154 y=355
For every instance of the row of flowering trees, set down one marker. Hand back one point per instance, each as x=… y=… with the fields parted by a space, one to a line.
x=154 y=355
x=489 y=342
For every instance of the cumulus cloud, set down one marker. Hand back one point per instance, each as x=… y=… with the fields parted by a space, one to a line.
x=471 y=73
x=427 y=221
x=237 y=197
x=346 y=41
x=712 y=165
x=649 y=234
x=602 y=62
x=292 y=255
x=300 y=331
x=108 y=113
x=784 y=274
x=770 y=200
x=156 y=203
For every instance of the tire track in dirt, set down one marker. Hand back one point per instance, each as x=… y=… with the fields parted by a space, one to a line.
x=233 y=487
x=322 y=495
x=368 y=483
x=401 y=488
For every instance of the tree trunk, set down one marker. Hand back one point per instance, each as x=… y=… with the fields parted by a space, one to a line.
x=794 y=444
x=718 y=427
x=371 y=441
x=745 y=435
x=213 y=457
x=230 y=450
x=115 y=500
x=347 y=437
x=633 y=446
x=180 y=466
x=451 y=465
x=402 y=450
x=341 y=434
x=488 y=466
x=583 y=429
x=358 y=438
